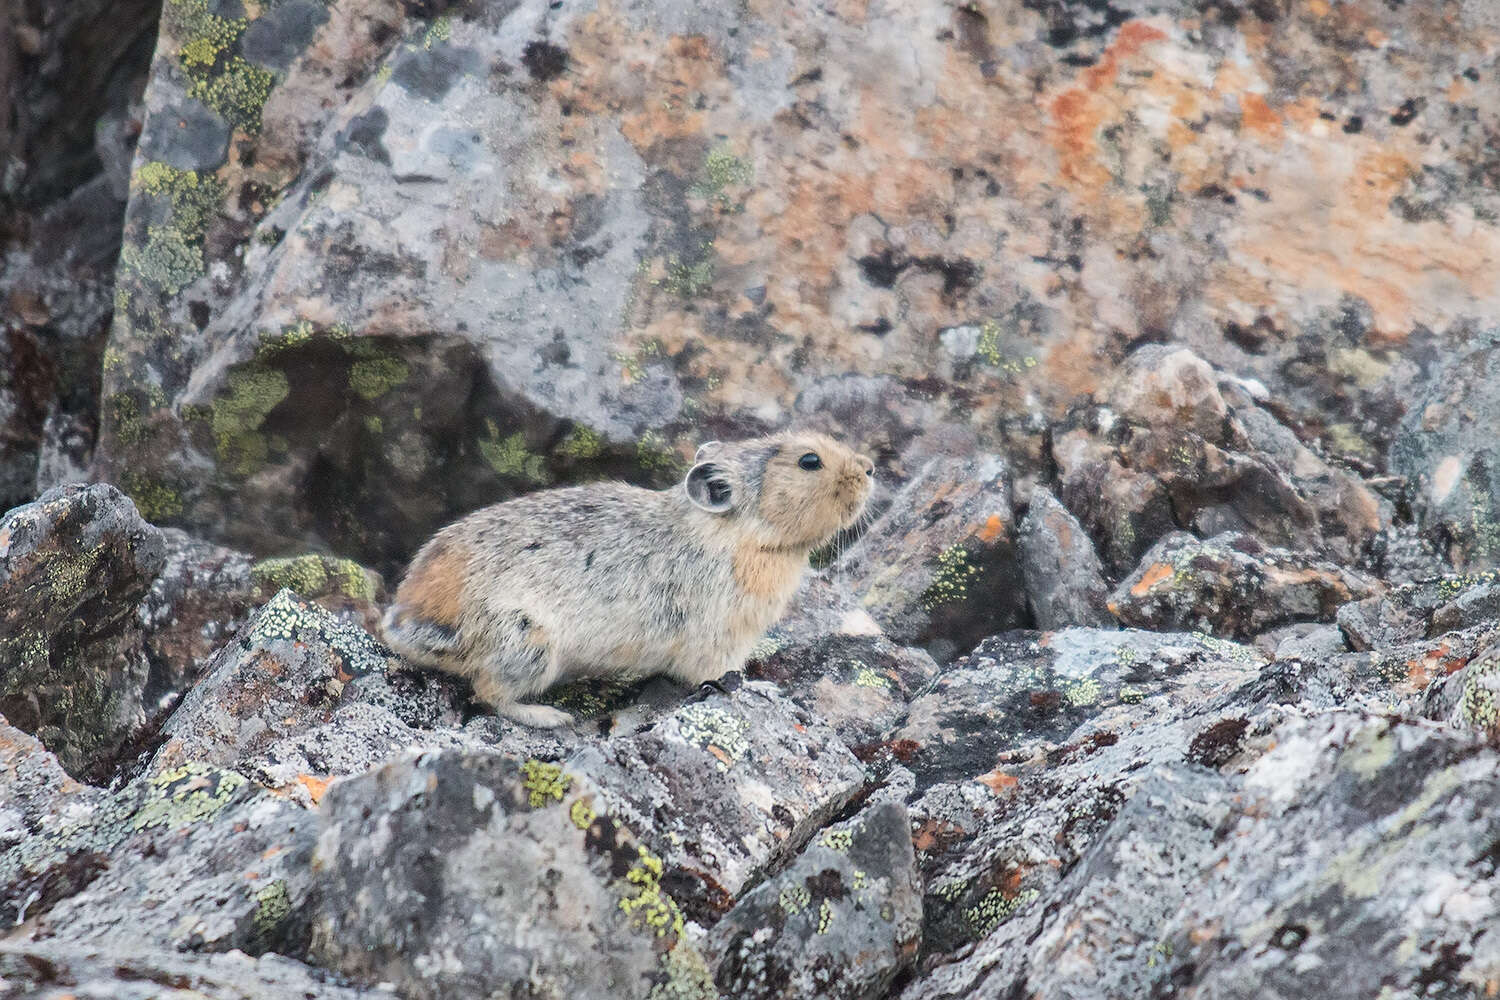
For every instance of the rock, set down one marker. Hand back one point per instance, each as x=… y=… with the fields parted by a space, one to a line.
x=1019 y=688
x=73 y=567
x=52 y=971
x=71 y=76
x=569 y=903
x=1195 y=451
x=193 y=858
x=1232 y=586
x=840 y=921
x=830 y=658
x=1165 y=901
x=939 y=569
x=723 y=789
x=1064 y=578
x=1421 y=610
x=1446 y=450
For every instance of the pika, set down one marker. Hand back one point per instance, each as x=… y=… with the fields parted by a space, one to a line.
x=611 y=579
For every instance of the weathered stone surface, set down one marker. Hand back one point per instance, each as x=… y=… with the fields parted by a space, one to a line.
x=472 y=874
x=1178 y=446
x=191 y=859
x=1446 y=450
x=1421 y=610
x=723 y=789
x=1018 y=688
x=939 y=568
x=52 y=971
x=1343 y=861
x=830 y=657
x=1233 y=586
x=71 y=75
x=839 y=922
x=73 y=567
x=1063 y=575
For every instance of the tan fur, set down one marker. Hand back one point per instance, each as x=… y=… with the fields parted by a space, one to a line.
x=434 y=587
x=612 y=579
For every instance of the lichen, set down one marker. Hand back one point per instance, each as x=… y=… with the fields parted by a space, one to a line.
x=216 y=75
x=653 y=454
x=1082 y=693
x=371 y=378
x=314 y=575
x=582 y=444
x=985 y=915
x=865 y=677
x=186 y=795
x=794 y=899
x=592 y=697
x=508 y=456
x=713 y=728
x=951 y=578
x=440 y=31
x=688 y=280
x=646 y=903
x=721 y=170
x=237 y=416
x=1478 y=705
x=543 y=782
x=155 y=500
x=167 y=259
x=273 y=904
x=582 y=814
x=837 y=840
x=288 y=618
x=685 y=976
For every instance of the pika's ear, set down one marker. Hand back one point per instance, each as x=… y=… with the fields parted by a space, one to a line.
x=704 y=449
x=710 y=488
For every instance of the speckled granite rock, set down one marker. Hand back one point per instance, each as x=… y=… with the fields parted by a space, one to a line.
x=723 y=789
x=1238 y=886
x=939 y=568
x=73 y=567
x=193 y=858
x=1233 y=586
x=839 y=922
x=54 y=971
x=468 y=874
x=1063 y=575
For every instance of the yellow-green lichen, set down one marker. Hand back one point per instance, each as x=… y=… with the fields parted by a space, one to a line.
x=440 y=31
x=314 y=575
x=713 y=728
x=273 y=343
x=837 y=840
x=825 y=916
x=633 y=363
x=988 y=349
x=543 y=782
x=865 y=677
x=582 y=444
x=216 y=75
x=985 y=915
x=273 y=905
x=1131 y=696
x=794 y=899
x=582 y=814
x=652 y=453
x=237 y=417
x=647 y=903
x=186 y=795
x=686 y=280
x=155 y=500
x=592 y=697
x=508 y=456
x=371 y=378
x=722 y=170
x=951 y=578
x=1478 y=705
x=167 y=259
x=951 y=892
x=685 y=976
x=1082 y=693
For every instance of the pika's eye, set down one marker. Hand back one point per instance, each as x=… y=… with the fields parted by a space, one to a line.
x=811 y=462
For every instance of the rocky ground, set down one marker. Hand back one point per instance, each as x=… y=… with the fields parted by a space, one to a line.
x=1168 y=667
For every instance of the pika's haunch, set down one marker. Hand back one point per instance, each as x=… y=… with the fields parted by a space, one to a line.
x=611 y=579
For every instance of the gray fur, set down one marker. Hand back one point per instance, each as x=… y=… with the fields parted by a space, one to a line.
x=614 y=579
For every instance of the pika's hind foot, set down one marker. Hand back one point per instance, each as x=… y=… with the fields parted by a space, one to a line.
x=538 y=716
x=503 y=703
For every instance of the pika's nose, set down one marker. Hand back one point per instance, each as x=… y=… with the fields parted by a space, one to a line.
x=866 y=464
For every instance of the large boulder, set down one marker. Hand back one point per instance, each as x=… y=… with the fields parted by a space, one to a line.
x=379 y=246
